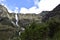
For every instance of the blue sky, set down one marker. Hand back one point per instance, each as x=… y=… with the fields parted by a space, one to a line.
x=12 y=4
x=19 y=3
x=30 y=6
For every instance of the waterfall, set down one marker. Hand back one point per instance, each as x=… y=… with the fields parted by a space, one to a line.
x=16 y=18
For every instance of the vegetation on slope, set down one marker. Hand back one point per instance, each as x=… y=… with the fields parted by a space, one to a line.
x=49 y=29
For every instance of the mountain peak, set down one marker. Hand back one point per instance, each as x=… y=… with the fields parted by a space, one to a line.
x=57 y=8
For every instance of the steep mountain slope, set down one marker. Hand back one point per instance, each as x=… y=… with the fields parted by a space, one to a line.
x=7 y=30
x=54 y=12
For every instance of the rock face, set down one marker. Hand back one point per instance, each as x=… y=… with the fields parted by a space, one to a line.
x=49 y=14
x=26 y=19
x=3 y=11
x=21 y=17
x=57 y=8
x=43 y=13
x=7 y=30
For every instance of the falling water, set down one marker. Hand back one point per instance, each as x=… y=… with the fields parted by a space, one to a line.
x=16 y=17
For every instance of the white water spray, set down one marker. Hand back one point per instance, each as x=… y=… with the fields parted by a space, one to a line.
x=16 y=16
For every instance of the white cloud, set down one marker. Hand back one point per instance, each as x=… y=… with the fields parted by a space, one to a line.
x=9 y=10
x=44 y=5
x=2 y=0
x=2 y=3
x=30 y=10
x=48 y=4
x=16 y=10
x=24 y=10
x=36 y=2
x=33 y=10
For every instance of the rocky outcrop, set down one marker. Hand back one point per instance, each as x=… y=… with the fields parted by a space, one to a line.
x=3 y=11
x=49 y=14
x=7 y=28
x=57 y=8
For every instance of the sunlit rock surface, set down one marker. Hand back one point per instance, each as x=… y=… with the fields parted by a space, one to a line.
x=7 y=29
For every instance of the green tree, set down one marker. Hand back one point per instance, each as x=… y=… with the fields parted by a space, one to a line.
x=54 y=26
x=35 y=32
x=48 y=30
